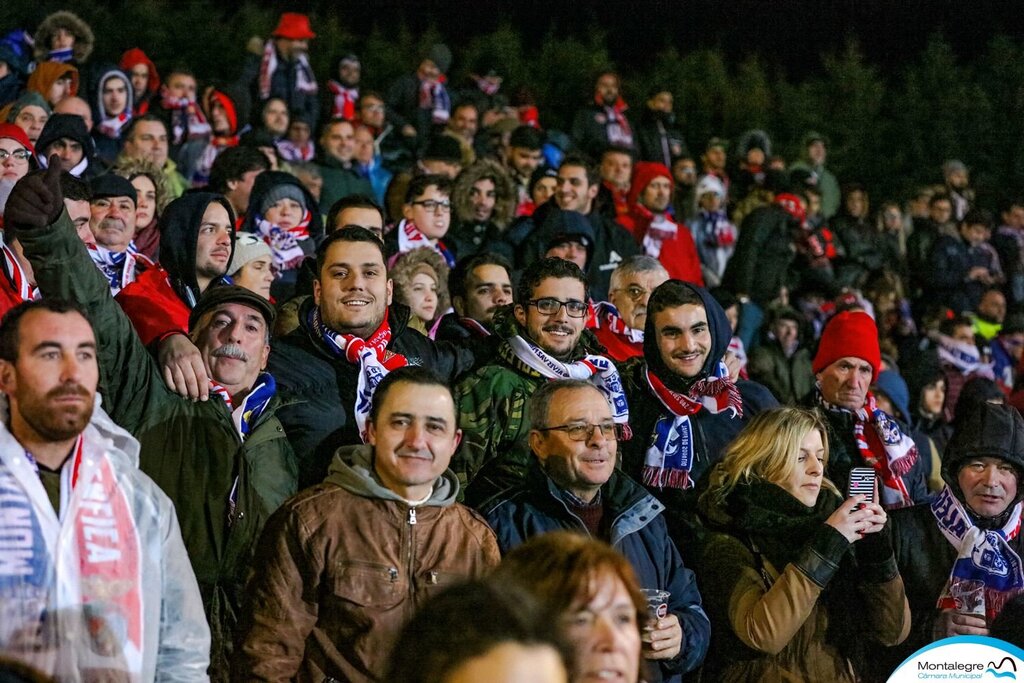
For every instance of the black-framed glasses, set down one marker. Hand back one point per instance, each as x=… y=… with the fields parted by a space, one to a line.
x=549 y=305
x=583 y=432
x=433 y=205
x=19 y=154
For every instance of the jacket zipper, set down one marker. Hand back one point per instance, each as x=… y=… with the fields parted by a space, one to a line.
x=411 y=523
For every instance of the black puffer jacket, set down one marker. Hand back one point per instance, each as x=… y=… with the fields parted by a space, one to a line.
x=321 y=390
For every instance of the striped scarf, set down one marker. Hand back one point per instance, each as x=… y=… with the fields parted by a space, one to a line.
x=121 y=268
x=284 y=242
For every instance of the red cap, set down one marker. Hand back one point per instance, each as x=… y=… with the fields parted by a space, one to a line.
x=293 y=26
x=793 y=205
x=10 y=130
x=850 y=333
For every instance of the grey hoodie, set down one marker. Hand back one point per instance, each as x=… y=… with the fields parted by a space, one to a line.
x=360 y=478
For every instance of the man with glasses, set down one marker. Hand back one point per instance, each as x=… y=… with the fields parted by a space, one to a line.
x=686 y=407
x=620 y=320
x=542 y=339
x=427 y=215
x=573 y=484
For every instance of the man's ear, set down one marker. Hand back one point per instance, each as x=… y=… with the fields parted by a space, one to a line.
x=536 y=438
x=8 y=377
x=457 y=304
x=317 y=291
x=520 y=314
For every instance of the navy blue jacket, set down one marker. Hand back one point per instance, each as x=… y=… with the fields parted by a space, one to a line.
x=638 y=531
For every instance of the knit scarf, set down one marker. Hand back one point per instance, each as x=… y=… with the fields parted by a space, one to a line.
x=489 y=88
x=987 y=572
x=600 y=371
x=87 y=559
x=372 y=355
x=121 y=268
x=16 y=277
x=615 y=123
x=410 y=237
x=885 y=435
x=112 y=127
x=740 y=351
x=218 y=143
x=305 y=81
x=718 y=231
x=248 y=412
x=434 y=96
x=669 y=459
x=607 y=316
x=344 y=103
x=187 y=120
x=284 y=242
x=293 y=152
x=963 y=356
x=62 y=55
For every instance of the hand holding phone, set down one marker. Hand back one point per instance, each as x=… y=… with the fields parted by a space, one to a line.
x=862 y=482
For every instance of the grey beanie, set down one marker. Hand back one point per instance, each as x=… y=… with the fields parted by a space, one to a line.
x=282 y=191
x=248 y=247
x=440 y=55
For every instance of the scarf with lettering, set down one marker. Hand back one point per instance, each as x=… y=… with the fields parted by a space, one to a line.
x=121 y=268
x=985 y=562
x=284 y=242
x=344 y=103
x=372 y=355
x=305 y=81
x=85 y=563
x=669 y=459
x=434 y=96
x=963 y=356
x=598 y=370
x=606 y=315
x=884 y=447
x=615 y=123
x=187 y=119
x=410 y=237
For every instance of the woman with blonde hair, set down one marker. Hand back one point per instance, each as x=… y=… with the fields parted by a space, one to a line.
x=590 y=590
x=797 y=581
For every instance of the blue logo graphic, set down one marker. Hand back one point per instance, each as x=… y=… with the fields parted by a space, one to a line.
x=995 y=669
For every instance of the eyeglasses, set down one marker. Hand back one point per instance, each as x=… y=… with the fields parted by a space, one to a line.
x=583 y=432
x=19 y=154
x=634 y=292
x=550 y=306
x=434 y=205
x=373 y=107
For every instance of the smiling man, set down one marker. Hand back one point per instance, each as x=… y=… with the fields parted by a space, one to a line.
x=573 y=484
x=969 y=535
x=685 y=407
x=860 y=434
x=542 y=339
x=112 y=222
x=347 y=562
x=225 y=463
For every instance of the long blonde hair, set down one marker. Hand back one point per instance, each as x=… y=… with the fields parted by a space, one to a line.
x=768 y=448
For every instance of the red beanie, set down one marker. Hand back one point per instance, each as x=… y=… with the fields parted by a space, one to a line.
x=850 y=333
x=14 y=132
x=643 y=173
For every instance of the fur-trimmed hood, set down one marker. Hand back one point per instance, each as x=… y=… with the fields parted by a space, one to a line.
x=503 y=187
x=84 y=38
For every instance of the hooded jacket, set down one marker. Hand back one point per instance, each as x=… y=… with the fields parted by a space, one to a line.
x=69 y=126
x=679 y=253
x=192 y=450
x=84 y=38
x=712 y=432
x=924 y=555
x=345 y=564
x=468 y=236
x=48 y=73
x=132 y=58
x=109 y=143
x=637 y=530
x=159 y=302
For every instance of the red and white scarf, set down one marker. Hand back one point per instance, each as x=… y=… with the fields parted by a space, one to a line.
x=661 y=229
x=885 y=448
x=410 y=237
x=434 y=96
x=670 y=457
x=598 y=370
x=607 y=316
x=187 y=120
x=284 y=242
x=305 y=81
x=372 y=355
x=344 y=103
x=16 y=276
x=616 y=125
x=290 y=151
x=113 y=126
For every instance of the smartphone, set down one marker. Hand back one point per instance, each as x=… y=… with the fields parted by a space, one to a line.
x=862 y=482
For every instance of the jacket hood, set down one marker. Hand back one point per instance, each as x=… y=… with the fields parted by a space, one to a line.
x=84 y=39
x=47 y=73
x=718 y=325
x=108 y=72
x=134 y=57
x=267 y=181
x=65 y=126
x=179 y=232
x=643 y=173
x=504 y=192
x=352 y=469
x=754 y=138
x=555 y=223
x=989 y=430
x=235 y=102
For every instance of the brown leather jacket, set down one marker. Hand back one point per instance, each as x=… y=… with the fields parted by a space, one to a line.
x=344 y=564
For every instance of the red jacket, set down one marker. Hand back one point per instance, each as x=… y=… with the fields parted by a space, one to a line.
x=153 y=306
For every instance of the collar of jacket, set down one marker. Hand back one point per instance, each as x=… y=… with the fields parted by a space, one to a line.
x=352 y=469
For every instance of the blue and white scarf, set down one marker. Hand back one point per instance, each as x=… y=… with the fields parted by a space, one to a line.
x=982 y=555
x=121 y=268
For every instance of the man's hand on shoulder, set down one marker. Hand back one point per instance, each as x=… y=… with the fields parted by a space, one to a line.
x=183 y=368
